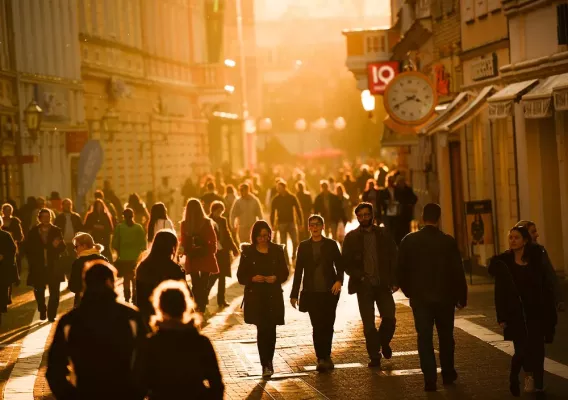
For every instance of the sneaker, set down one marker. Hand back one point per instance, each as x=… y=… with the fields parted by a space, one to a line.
x=43 y=315
x=329 y=363
x=266 y=372
x=529 y=384
x=374 y=363
x=387 y=351
x=321 y=367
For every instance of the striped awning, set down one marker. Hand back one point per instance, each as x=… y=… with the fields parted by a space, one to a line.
x=538 y=103
x=501 y=103
x=467 y=113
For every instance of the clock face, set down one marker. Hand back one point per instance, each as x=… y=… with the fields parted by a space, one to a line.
x=410 y=98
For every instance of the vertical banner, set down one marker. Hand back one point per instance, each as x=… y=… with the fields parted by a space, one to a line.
x=90 y=162
x=480 y=232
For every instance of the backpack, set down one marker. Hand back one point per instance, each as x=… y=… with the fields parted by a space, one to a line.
x=195 y=246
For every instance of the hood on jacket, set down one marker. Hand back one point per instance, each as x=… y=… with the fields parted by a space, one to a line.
x=97 y=250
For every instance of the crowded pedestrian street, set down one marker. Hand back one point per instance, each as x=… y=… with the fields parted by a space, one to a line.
x=482 y=357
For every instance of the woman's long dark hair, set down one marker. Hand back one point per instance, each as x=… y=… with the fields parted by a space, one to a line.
x=136 y=203
x=158 y=211
x=257 y=227
x=94 y=211
x=194 y=216
x=164 y=248
x=524 y=232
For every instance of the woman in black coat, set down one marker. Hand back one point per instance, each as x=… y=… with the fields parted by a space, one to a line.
x=263 y=270
x=158 y=266
x=525 y=305
x=225 y=247
x=177 y=362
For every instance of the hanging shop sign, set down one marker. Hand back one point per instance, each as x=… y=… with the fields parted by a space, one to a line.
x=484 y=68
x=380 y=74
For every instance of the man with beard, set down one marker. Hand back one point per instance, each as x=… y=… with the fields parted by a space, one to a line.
x=370 y=257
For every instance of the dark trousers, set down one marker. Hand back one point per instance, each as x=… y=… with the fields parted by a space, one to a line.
x=321 y=308
x=529 y=354
x=5 y=292
x=199 y=282
x=367 y=296
x=220 y=287
x=266 y=342
x=53 y=304
x=426 y=315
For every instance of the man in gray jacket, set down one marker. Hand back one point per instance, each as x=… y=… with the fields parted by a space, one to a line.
x=246 y=211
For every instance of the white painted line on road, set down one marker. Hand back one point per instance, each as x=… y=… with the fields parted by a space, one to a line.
x=496 y=340
x=20 y=385
x=292 y=388
x=472 y=316
x=337 y=366
x=404 y=372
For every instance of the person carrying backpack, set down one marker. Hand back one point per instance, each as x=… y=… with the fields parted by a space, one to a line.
x=199 y=243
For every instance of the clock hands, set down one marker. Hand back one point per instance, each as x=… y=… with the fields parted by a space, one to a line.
x=408 y=98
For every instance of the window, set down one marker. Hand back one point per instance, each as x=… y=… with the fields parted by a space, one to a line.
x=468 y=12
x=480 y=8
x=372 y=44
x=562 y=25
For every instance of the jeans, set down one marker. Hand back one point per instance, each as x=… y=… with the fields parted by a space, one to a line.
x=220 y=288
x=266 y=342
x=321 y=308
x=53 y=304
x=199 y=282
x=289 y=228
x=367 y=296
x=426 y=315
x=529 y=354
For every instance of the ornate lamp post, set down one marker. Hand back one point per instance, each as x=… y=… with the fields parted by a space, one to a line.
x=33 y=115
x=368 y=101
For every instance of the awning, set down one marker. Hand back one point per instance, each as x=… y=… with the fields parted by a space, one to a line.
x=413 y=39
x=538 y=102
x=561 y=97
x=501 y=103
x=394 y=139
x=468 y=112
x=447 y=113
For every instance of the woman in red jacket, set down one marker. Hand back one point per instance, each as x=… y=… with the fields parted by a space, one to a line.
x=199 y=243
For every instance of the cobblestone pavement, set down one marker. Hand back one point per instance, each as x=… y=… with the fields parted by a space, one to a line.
x=482 y=359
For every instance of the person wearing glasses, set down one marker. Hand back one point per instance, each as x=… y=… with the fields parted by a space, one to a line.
x=87 y=251
x=263 y=270
x=370 y=259
x=319 y=269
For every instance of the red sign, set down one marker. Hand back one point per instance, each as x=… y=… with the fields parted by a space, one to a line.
x=10 y=160
x=380 y=74
x=74 y=141
x=442 y=80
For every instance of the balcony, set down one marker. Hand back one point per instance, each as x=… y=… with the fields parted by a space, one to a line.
x=211 y=76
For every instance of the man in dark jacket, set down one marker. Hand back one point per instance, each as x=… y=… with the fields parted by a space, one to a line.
x=284 y=207
x=8 y=270
x=319 y=268
x=397 y=201
x=100 y=339
x=369 y=257
x=431 y=275
x=329 y=206
x=70 y=224
x=44 y=245
x=210 y=196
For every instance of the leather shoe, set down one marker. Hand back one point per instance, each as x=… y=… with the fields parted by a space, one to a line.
x=450 y=378
x=43 y=315
x=430 y=387
x=374 y=363
x=387 y=351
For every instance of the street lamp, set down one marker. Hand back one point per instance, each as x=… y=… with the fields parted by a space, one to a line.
x=339 y=124
x=33 y=114
x=230 y=63
x=368 y=101
x=229 y=89
x=110 y=123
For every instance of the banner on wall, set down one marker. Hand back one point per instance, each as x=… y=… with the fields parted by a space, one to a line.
x=90 y=162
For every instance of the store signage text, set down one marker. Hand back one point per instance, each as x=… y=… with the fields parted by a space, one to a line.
x=380 y=74
x=484 y=68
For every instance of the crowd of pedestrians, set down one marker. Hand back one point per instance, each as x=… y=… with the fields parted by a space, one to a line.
x=156 y=347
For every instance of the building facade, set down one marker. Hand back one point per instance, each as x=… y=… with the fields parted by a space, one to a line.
x=147 y=78
x=42 y=55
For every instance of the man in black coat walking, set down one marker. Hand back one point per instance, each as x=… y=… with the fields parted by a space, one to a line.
x=8 y=269
x=369 y=256
x=100 y=339
x=319 y=268
x=431 y=275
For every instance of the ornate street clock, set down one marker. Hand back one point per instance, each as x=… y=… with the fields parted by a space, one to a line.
x=410 y=99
